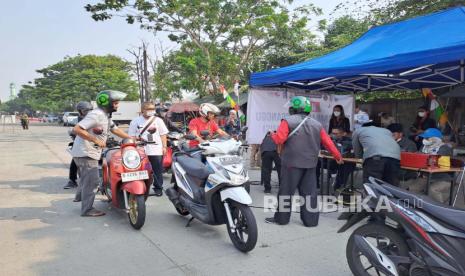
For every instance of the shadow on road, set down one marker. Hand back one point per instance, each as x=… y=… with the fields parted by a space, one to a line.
x=49 y=165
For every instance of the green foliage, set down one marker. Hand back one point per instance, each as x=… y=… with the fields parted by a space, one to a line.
x=220 y=41
x=64 y=84
x=344 y=31
x=383 y=12
x=365 y=97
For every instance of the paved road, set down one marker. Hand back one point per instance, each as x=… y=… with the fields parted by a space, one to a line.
x=41 y=232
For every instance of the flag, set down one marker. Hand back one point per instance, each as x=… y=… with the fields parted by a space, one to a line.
x=443 y=119
x=427 y=93
x=228 y=98
x=236 y=88
x=437 y=108
x=232 y=103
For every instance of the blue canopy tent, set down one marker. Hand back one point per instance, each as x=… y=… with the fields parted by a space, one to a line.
x=426 y=51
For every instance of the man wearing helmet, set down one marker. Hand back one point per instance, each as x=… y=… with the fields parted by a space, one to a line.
x=301 y=137
x=91 y=135
x=83 y=108
x=206 y=121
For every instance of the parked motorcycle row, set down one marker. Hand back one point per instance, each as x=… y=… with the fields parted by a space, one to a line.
x=208 y=183
x=414 y=236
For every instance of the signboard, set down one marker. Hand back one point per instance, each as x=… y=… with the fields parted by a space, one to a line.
x=267 y=106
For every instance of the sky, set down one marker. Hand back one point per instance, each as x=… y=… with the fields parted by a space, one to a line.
x=35 y=34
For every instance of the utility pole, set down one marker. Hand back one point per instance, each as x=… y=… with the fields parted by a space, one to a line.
x=145 y=74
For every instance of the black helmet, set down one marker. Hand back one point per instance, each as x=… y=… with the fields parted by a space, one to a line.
x=106 y=98
x=161 y=110
x=83 y=107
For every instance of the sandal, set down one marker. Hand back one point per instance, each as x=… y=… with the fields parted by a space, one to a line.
x=93 y=213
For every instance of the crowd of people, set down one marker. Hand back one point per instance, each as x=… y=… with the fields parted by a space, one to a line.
x=293 y=149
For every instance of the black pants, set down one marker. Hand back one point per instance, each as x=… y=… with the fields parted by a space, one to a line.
x=157 y=166
x=343 y=171
x=384 y=168
x=268 y=157
x=305 y=181
x=73 y=171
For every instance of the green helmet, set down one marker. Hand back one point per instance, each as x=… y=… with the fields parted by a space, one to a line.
x=106 y=98
x=300 y=104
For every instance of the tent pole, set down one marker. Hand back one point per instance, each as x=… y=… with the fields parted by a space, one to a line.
x=462 y=71
x=353 y=111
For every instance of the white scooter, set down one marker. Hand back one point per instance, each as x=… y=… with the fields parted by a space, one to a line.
x=213 y=192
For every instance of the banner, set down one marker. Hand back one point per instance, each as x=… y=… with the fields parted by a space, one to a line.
x=267 y=106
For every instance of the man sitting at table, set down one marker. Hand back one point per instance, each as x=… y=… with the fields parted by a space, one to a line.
x=398 y=135
x=344 y=145
x=405 y=145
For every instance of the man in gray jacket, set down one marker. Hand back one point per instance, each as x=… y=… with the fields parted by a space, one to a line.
x=91 y=136
x=380 y=152
x=301 y=137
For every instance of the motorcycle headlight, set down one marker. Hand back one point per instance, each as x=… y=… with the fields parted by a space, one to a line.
x=237 y=179
x=131 y=159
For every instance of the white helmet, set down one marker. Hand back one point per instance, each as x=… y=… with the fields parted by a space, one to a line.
x=208 y=107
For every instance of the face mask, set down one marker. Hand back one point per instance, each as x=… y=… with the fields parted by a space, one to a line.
x=150 y=113
x=337 y=113
x=421 y=114
x=427 y=142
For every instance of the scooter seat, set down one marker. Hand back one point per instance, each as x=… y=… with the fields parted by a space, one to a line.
x=193 y=166
x=109 y=154
x=454 y=217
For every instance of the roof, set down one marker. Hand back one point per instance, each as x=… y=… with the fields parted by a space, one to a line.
x=426 y=51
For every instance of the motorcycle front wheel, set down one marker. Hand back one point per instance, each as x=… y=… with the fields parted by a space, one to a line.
x=382 y=237
x=136 y=210
x=244 y=237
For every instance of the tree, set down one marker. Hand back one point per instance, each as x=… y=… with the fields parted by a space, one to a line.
x=75 y=79
x=383 y=12
x=343 y=31
x=240 y=31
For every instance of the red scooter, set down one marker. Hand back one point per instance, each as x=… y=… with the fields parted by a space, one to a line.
x=126 y=177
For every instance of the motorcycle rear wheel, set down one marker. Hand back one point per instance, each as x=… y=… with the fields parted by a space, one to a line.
x=136 y=213
x=245 y=235
x=396 y=245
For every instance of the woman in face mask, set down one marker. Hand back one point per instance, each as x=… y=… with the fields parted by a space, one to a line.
x=422 y=123
x=338 y=119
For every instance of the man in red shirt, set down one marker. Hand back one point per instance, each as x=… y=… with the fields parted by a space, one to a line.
x=206 y=121
x=302 y=137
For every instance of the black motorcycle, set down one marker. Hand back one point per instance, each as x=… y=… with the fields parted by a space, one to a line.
x=406 y=234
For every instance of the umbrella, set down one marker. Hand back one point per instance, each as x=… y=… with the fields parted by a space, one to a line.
x=184 y=107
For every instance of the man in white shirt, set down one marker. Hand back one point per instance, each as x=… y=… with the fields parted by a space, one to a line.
x=359 y=116
x=155 y=132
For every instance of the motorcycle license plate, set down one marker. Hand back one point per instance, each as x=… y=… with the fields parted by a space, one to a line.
x=131 y=176
x=230 y=160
